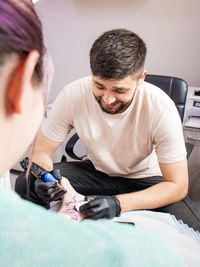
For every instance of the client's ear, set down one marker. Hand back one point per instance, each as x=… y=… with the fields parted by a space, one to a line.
x=19 y=80
x=142 y=77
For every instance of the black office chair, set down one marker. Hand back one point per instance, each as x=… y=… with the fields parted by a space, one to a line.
x=174 y=87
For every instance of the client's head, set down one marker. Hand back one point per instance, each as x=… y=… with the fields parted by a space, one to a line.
x=21 y=78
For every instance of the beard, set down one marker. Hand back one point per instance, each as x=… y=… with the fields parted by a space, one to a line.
x=121 y=106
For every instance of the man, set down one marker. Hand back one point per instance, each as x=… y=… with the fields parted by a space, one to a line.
x=30 y=235
x=133 y=133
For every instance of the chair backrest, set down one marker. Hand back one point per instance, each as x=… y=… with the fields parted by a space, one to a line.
x=175 y=88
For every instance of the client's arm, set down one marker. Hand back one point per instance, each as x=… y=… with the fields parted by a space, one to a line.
x=69 y=201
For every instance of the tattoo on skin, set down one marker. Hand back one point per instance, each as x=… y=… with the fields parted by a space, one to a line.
x=69 y=209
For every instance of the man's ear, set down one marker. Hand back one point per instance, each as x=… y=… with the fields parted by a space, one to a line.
x=142 y=77
x=19 y=79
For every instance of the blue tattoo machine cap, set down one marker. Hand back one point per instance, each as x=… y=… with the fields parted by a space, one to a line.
x=48 y=177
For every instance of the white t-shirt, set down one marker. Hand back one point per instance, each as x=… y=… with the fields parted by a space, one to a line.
x=129 y=144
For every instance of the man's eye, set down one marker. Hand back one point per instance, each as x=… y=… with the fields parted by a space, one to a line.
x=120 y=92
x=100 y=88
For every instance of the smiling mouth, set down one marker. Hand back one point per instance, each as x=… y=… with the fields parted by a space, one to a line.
x=111 y=105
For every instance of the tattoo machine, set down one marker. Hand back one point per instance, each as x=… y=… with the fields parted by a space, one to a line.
x=43 y=174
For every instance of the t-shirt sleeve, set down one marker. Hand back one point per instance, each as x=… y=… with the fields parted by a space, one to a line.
x=168 y=138
x=59 y=122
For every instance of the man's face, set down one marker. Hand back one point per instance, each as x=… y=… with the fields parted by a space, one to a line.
x=114 y=96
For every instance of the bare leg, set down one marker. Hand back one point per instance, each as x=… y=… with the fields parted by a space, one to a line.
x=69 y=201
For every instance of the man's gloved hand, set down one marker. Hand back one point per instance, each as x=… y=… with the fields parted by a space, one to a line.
x=101 y=207
x=47 y=190
x=57 y=175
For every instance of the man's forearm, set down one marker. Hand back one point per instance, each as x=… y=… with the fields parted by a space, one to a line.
x=43 y=150
x=156 y=196
x=42 y=159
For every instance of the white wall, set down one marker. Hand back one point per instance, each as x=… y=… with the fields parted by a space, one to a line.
x=171 y=30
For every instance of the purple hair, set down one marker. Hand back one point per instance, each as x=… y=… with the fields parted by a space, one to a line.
x=20 y=31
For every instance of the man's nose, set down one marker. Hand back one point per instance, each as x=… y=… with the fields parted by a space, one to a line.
x=109 y=99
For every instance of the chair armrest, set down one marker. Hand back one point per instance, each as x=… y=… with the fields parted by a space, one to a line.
x=189 y=148
x=69 y=147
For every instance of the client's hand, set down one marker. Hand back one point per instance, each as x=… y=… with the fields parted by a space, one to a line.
x=70 y=199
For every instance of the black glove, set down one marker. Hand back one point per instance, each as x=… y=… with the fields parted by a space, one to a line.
x=47 y=190
x=57 y=175
x=101 y=207
x=39 y=191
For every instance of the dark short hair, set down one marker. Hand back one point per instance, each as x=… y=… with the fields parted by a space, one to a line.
x=20 y=32
x=117 y=54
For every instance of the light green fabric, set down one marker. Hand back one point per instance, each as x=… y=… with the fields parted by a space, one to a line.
x=32 y=236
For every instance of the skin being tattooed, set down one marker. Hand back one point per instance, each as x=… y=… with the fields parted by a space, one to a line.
x=70 y=199
x=71 y=211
